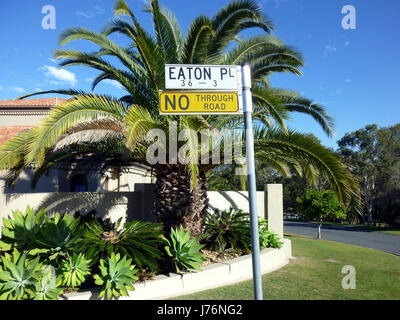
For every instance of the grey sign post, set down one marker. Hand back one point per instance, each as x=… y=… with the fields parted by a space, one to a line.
x=251 y=181
x=212 y=78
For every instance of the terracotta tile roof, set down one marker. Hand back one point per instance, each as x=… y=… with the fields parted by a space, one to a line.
x=6 y=133
x=45 y=102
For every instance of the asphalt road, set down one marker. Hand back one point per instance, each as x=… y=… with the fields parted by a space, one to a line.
x=369 y=239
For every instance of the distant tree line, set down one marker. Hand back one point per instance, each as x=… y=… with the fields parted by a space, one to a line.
x=372 y=155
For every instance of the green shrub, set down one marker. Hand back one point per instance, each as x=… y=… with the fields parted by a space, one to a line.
x=225 y=229
x=185 y=252
x=116 y=276
x=19 y=231
x=137 y=240
x=74 y=270
x=22 y=277
x=45 y=289
x=58 y=236
x=268 y=239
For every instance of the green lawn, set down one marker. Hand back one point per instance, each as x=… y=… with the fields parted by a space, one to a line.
x=316 y=274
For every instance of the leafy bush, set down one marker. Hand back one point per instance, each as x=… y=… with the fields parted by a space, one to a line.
x=58 y=236
x=23 y=278
x=19 y=231
x=263 y=232
x=74 y=270
x=268 y=239
x=116 y=276
x=183 y=250
x=225 y=229
x=137 y=240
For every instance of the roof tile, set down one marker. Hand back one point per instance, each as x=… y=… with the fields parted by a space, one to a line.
x=45 y=102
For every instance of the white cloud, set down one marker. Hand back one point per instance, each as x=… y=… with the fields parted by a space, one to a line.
x=1 y=88
x=84 y=15
x=89 y=79
x=346 y=43
x=330 y=48
x=276 y=2
x=347 y=80
x=99 y=10
x=17 y=89
x=114 y=83
x=60 y=74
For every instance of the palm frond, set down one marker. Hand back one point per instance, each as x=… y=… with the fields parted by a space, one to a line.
x=231 y=20
x=13 y=151
x=91 y=131
x=67 y=115
x=306 y=150
x=68 y=92
x=295 y=103
x=197 y=40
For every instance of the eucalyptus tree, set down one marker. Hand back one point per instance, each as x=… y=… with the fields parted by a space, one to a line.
x=181 y=188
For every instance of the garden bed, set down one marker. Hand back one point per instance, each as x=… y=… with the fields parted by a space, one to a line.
x=211 y=276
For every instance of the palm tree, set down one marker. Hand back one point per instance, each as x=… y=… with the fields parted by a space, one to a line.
x=181 y=188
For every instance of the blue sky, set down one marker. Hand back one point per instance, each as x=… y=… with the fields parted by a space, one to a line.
x=353 y=73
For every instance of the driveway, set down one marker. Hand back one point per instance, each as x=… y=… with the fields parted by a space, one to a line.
x=369 y=239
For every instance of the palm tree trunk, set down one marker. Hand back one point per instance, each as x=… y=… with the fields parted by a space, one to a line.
x=176 y=201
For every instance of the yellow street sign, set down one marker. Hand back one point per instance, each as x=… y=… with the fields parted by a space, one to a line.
x=199 y=102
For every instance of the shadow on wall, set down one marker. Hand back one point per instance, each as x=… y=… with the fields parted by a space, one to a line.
x=128 y=205
x=225 y=199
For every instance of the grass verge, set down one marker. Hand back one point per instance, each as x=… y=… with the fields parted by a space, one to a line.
x=315 y=274
x=359 y=227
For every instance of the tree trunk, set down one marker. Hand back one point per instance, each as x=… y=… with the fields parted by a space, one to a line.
x=369 y=193
x=176 y=201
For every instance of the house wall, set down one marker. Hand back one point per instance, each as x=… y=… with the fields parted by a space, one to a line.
x=21 y=119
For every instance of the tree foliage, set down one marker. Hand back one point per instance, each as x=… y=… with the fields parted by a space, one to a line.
x=320 y=205
x=373 y=155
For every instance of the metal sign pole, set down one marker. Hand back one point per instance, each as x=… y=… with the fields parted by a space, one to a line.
x=251 y=180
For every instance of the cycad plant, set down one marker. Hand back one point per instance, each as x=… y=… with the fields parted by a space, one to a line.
x=224 y=229
x=181 y=188
x=137 y=240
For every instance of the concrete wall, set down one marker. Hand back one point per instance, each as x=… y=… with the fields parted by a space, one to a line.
x=274 y=207
x=138 y=203
x=237 y=199
x=128 y=205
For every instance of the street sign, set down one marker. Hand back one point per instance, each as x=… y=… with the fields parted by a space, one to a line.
x=202 y=77
x=213 y=80
x=197 y=102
